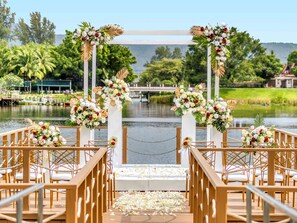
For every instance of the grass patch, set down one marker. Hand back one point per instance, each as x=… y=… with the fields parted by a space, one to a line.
x=162 y=99
x=281 y=96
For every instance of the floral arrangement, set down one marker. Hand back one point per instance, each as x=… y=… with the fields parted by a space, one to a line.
x=44 y=134
x=218 y=38
x=90 y=36
x=189 y=101
x=258 y=137
x=116 y=90
x=218 y=114
x=187 y=142
x=87 y=113
x=156 y=202
x=112 y=143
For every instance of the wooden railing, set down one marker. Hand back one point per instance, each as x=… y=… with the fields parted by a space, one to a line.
x=285 y=138
x=210 y=196
x=86 y=192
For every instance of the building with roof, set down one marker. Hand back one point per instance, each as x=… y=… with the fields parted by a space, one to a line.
x=285 y=79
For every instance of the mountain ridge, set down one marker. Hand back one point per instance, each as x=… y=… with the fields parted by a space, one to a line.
x=143 y=53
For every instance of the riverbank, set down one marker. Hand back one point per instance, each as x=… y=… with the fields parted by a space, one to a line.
x=257 y=96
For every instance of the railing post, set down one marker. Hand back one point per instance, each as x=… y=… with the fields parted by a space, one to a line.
x=271 y=171
x=71 y=205
x=225 y=138
x=178 y=143
x=125 y=135
x=221 y=205
x=26 y=177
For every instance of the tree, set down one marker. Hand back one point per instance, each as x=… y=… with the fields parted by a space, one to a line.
x=267 y=66
x=40 y=30
x=167 y=71
x=31 y=60
x=9 y=82
x=110 y=59
x=248 y=61
x=4 y=55
x=292 y=58
x=6 y=20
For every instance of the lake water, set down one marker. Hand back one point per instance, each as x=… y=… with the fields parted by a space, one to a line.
x=151 y=127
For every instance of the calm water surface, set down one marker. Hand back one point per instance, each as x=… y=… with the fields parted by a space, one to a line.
x=151 y=127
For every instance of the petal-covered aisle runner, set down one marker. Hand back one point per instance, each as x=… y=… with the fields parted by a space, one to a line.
x=150 y=203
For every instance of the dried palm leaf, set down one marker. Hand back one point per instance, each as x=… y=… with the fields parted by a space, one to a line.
x=177 y=92
x=86 y=53
x=197 y=31
x=219 y=70
x=104 y=113
x=122 y=74
x=97 y=89
x=112 y=103
x=73 y=101
x=174 y=108
x=231 y=104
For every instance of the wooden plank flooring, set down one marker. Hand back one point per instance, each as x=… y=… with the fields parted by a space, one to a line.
x=235 y=205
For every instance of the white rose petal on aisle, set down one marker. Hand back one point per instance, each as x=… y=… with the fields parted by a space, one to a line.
x=150 y=203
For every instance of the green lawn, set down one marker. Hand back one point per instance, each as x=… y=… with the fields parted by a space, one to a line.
x=261 y=95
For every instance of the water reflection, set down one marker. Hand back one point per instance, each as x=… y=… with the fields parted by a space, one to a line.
x=147 y=124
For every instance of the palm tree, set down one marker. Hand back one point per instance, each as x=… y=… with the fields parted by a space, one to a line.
x=31 y=60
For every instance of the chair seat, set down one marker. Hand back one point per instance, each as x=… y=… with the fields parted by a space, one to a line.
x=61 y=176
x=5 y=171
x=33 y=176
x=291 y=172
x=277 y=178
x=236 y=177
x=294 y=177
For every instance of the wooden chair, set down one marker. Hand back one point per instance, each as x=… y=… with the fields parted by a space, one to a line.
x=62 y=167
x=236 y=167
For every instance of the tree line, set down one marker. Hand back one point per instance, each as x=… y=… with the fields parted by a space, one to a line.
x=39 y=58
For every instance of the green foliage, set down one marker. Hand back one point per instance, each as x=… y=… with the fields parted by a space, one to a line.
x=294 y=71
x=266 y=66
x=195 y=66
x=292 y=58
x=9 y=82
x=259 y=120
x=162 y=99
x=40 y=30
x=4 y=55
x=165 y=52
x=110 y=59
x=68 y=61
x=162 y=71
x=31 y=60
x=247 y=62
x=6 y=20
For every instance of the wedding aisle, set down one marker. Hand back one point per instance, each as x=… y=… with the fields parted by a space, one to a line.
x=149 y=207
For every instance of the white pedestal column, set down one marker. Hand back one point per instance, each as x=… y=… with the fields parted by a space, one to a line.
x=86 y=135
x=115 y=129
x=217 y=138
x=188 y=130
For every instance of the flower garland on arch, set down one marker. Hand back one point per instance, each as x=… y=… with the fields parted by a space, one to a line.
x=218 y=38
x=116 y=90
x=89 y=36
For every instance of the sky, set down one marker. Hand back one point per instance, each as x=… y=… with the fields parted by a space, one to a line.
x=267 y=20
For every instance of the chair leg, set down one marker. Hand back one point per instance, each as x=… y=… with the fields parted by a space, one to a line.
x=114 y=186
x=187 y=187
x=294 y=194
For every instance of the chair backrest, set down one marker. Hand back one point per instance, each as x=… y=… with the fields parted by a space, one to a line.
x=236 y=162
x=63 y=161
